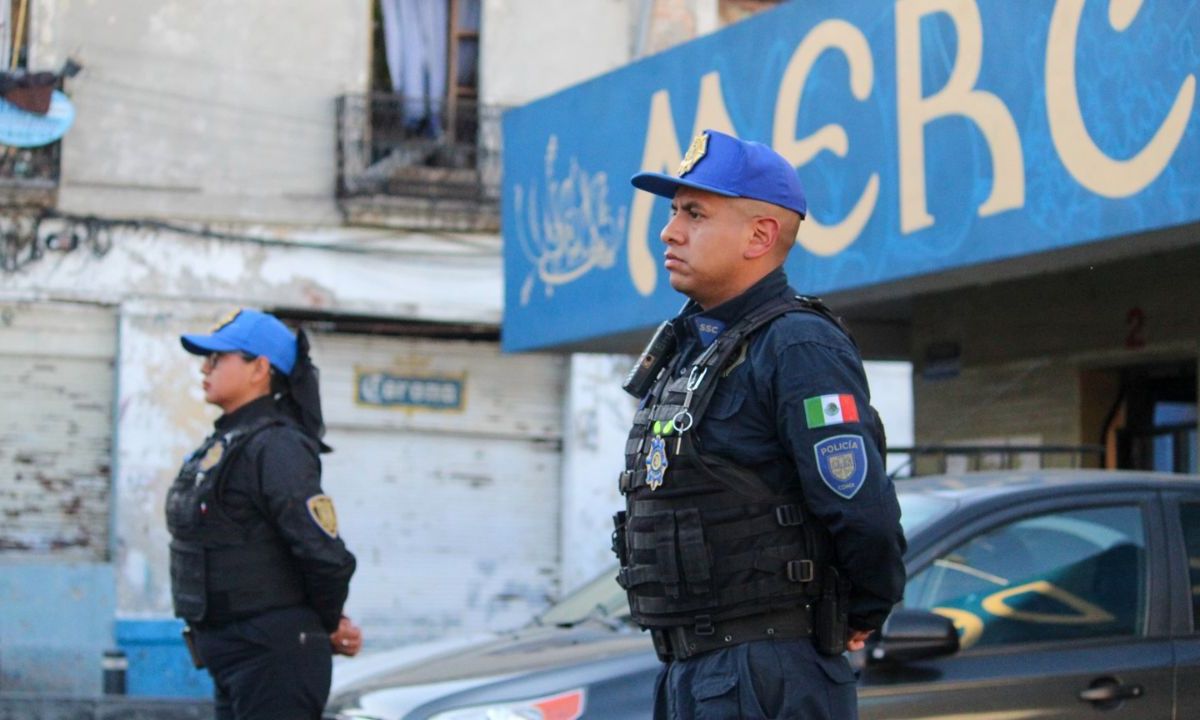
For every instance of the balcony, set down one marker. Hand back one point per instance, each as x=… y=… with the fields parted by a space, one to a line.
x=435 y=167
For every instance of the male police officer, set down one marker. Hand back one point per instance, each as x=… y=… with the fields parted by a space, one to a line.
x=761 y=535
x=257 y=567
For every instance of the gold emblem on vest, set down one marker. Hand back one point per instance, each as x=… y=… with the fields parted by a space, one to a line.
x=694 y=152
x=212 y=457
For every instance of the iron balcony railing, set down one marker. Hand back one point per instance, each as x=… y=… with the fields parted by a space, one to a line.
x=392 y=146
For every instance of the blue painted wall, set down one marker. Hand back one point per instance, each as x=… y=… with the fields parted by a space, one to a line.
x=159 y=664
x=56 y=621
x=1044 y=125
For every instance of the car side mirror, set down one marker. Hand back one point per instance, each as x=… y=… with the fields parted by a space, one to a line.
x=914 y=635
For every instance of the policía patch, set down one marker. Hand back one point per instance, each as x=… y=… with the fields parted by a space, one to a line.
x=842 y=463
x=320 y=507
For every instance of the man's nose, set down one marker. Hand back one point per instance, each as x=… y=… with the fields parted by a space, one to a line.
x=671 y=233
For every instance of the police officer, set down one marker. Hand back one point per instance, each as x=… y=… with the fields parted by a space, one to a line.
x=761 y=535
x=257 y=568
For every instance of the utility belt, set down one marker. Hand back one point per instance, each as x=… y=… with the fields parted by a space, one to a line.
x=686 y=641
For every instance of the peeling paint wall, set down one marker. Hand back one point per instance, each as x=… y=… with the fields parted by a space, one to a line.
x=161 y=417
x=387 y=274
x=56 y=385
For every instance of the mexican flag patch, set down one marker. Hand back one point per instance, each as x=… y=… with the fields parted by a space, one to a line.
x=830 y=410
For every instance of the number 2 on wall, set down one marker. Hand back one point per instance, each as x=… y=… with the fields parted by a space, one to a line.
x=1135 y=319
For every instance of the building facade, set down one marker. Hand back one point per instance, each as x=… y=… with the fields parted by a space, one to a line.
x=278 y=156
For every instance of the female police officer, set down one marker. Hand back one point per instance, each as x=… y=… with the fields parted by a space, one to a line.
x=257 y=568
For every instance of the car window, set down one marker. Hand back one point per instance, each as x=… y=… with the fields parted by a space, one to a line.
x=1189 y=516
x=1059 y=576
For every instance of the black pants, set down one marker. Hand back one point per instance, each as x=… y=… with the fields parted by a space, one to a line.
x=273 y=666
x=758 y=680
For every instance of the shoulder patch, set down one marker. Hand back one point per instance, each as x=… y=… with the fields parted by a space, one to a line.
x=842 y=463
x=320 y=507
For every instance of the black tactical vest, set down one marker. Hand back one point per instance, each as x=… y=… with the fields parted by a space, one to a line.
x=708 y=540
x=222 y=569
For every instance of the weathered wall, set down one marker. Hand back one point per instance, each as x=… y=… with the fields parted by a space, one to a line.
x=215 y=110
x=453 y=514
x=162 y=417
x=530 y=49
x=424 y=277
x=597 y=416
x=56 y=385
x=56 y=407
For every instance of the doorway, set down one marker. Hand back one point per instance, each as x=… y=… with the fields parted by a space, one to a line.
x=1152 y=425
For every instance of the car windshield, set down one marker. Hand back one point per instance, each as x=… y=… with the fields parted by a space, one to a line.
x=602 y=597
x=919 y=509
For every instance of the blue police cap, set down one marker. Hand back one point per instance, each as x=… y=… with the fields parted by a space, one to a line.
x=722 y=164
x=249 y=331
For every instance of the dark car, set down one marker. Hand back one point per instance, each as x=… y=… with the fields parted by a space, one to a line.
x=1064 y=594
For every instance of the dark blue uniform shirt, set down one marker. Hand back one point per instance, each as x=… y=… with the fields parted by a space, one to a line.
x=759 y=419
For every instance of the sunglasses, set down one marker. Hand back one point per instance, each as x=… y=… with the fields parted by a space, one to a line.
x=211 y=360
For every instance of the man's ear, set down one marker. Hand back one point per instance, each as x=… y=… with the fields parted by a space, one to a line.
x=763 y=236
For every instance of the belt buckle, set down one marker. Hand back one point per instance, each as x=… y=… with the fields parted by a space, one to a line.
x=704 y=625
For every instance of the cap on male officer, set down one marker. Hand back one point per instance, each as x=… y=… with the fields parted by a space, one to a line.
x=250 y=331
x=724 y=165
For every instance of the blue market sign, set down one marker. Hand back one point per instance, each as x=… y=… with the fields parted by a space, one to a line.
x=929 y=134
x=408 y=392
x=20 y=128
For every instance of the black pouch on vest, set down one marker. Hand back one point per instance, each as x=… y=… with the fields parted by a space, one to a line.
x=832 y=623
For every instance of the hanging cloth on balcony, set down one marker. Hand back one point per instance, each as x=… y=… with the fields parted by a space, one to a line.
x=415 y=34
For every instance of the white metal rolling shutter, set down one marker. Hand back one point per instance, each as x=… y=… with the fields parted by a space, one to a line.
x=56 y=390
x=452 y=513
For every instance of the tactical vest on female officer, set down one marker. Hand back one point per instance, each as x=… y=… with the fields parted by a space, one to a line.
x=222 y=569
x=710 y=555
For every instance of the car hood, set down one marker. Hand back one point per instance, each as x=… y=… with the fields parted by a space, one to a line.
x=420 y=676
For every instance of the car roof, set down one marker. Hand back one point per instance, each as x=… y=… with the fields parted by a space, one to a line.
x=980 y=486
